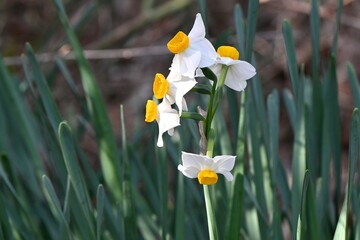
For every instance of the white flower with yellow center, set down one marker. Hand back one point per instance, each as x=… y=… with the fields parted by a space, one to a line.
x=238 y=71
x=193 y=50
x=173 y=88
x=166 y=117
x=205 y=168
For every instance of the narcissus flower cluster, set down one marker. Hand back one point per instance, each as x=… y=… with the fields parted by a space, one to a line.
x=193 y=53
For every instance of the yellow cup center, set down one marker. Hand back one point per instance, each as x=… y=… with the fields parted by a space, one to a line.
x=151 y=111
x=228 y=51
x=207 y=177
x=178 y=43
x=160 y=86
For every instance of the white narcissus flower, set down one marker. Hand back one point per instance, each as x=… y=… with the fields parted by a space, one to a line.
x=205 y=168
x=166 y=117
x=173 y=88
x=193 y=50
x=238 y=71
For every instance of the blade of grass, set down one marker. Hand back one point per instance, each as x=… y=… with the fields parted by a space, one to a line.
x=258 y=168
x=337 y=27
x=291 y=59
x=239 y=27
x=44 y=90
x=253 y=9
x=273 y=112
x=100 y=202
x=55 y=206
x=107 y=147
x=298 y=170
x=332 y=113
x=341 y=227
x=128 y=209
x=354 y=83
x=290 y=107
x=317 y=101
x=76 y=176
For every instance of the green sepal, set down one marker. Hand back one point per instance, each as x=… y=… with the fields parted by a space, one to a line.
x=192 y=115
x=209 y=74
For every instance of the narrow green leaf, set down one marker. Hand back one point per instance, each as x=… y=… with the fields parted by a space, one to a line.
x=100 y=202
x=239 y=27
x=257 y=161
x=298 y=170
x=315 y=38
x=76 y=176
x=128 y=209
x=338 y=24
x=192 y=115
x=332 y=113
x=180 y=209
x=290 y=107
x=107 y=147
x=291 y=58
x=45 y=93
x=253 y=9
x=273 y=112
x=354 y=153
x=233 y=223
x=55 y=206
x=354 y=83
x=6 y=231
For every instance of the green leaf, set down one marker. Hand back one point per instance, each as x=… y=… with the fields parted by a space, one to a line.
x=290 y=107
x=45 y=93
x=109 y=155
x=332 y=114
x=354 y=83
x=55 y=206
x=253 y=9
x=192 y=115
x=233 y=223
x=239 y=26
x=298 y=169
x=76 y=176
x=338 y=24
x=354 y=155
x=100 y=202
x=128 y=209
x=291 y=58
x=180 y=209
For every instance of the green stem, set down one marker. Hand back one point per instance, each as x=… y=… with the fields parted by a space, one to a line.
x=209 y=209
x=210 y=215
x=215 y=98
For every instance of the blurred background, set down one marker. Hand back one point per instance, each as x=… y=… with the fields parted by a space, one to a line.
x=125 y=41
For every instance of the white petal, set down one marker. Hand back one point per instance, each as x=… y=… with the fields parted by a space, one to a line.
x=184 y=105
x=189 y=61
x=224 y=163
x=208 y=53
x=227 y=61
x=216 y=69
x=198 y=30
x=238 y=74
x=192 y=160
x=227 y=175
x=199 y=73
x=190 y=172
x=182 y=87
x=168 y=119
